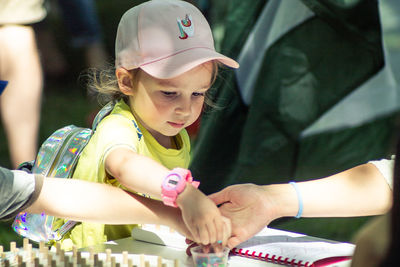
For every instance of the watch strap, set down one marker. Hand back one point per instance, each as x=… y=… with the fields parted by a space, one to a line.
x=169 y=198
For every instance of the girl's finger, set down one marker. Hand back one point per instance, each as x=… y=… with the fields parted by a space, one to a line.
x=220 y=230
x=195 y=233
x=212 y=231
x=203 y=233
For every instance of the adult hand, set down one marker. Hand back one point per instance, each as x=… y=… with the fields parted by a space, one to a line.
x=249 y=208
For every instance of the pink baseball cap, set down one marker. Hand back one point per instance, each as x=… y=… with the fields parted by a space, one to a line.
x=165 y=38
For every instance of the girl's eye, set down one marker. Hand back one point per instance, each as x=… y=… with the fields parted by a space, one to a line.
x=166 y=93
x=198 y=94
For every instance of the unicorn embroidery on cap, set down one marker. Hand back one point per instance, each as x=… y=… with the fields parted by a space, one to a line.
x=186 y=27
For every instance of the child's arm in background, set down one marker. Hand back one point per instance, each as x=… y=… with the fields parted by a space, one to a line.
x=94 y=202
x=143 y=174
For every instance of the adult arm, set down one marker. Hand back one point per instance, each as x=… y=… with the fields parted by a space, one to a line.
x=359 y=191
x=18 y=190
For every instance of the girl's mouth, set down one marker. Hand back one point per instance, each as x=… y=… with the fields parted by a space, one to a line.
x=176 y=125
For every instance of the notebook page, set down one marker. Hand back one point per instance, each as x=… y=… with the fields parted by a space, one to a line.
x=294 y=246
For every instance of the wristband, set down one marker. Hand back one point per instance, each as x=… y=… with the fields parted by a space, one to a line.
x=299 y=198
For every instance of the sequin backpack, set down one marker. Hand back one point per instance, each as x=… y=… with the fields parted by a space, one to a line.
x=57 y=157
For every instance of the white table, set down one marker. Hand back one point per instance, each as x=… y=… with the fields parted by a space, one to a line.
x=137 y=247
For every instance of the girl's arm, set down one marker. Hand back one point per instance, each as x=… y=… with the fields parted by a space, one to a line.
x=94 y=202
x=145 y=175
x=136 y=172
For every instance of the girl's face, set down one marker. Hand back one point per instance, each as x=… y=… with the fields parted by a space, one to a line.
x=166 y=106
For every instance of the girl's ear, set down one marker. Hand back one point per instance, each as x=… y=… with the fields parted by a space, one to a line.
x=125 y=81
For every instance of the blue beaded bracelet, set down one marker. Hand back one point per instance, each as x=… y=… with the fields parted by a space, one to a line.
x=299 y=198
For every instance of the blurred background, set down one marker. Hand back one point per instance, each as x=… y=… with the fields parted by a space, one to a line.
x=66 y=101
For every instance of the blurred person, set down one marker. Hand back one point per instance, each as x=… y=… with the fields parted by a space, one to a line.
x=81 y=19
x=372 y=243
x=84 y=30
x=20 y=65
x=378 y=242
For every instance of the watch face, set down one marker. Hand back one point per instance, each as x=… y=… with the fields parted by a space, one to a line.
x=172 y=181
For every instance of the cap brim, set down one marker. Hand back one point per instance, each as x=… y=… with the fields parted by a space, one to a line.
x=182 y=62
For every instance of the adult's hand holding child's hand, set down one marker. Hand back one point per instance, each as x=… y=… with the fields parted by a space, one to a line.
x=247 y=208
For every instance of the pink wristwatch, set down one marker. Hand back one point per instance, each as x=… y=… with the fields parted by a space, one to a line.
x=174 y=184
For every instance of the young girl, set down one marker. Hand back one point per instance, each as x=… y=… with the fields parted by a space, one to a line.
x=165 y=63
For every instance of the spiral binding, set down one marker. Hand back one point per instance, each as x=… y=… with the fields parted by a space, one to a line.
x=270 y=258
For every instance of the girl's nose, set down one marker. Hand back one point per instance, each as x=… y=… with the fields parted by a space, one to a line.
x=184 y=107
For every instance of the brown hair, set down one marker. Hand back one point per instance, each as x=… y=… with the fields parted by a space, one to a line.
x=104 y=84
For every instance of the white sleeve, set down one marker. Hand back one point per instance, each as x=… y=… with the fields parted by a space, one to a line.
x=386 y=167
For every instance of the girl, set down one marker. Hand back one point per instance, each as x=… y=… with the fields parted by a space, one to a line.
x=165 y=64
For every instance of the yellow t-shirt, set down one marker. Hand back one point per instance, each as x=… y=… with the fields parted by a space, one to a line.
x=120 y=128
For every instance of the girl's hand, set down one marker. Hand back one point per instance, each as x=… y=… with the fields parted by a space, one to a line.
x=174 y=219
x=202 y=217
x=217 y=247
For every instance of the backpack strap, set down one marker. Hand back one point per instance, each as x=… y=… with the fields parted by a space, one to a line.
x=106 y=110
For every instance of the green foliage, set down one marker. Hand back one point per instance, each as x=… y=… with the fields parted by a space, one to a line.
x=7 y=235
